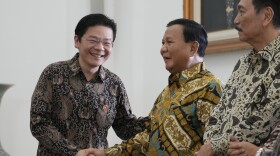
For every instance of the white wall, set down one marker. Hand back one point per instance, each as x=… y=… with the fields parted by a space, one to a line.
x=35 y=33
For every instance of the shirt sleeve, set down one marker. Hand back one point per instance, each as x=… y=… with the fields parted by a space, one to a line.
x=260 y=123
x=273 y=142
x=40 y=119
x=274 y=139
x=205 y=106
x=212 y=132
x=213 y=135
x=138 y=145
x=211 y=98
x=126 y=124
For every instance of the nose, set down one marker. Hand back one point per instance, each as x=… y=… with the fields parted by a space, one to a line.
x=163 y=49
x=99 y=46
x=236 y=20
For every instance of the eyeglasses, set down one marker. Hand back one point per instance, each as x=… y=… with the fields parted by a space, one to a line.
x=96 y=41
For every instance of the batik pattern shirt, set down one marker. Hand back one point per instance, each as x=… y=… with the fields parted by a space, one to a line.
x=178 y=117
x=69 y=113
x=272 y=146
x=250 y=105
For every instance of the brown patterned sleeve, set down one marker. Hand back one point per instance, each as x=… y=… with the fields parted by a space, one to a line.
x=40 y=119
x=126 y=124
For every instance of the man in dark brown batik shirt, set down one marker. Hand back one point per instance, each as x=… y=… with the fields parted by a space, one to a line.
x=76 y=101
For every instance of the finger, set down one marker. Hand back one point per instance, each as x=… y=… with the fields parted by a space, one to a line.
x=235 y=145
x=233 y=138
x=82 y=153
x=237 y=152
x=89 y=152
x=229 y=151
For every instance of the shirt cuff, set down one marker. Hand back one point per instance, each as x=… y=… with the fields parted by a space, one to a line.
x=220 y=145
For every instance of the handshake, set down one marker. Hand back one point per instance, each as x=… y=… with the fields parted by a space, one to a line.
x=91 y=152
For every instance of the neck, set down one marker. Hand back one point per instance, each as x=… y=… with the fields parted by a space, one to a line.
x=265 y=39
x=88 y=71
x=89 y=74
x=194 y=61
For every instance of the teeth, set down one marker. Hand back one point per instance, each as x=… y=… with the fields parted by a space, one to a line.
x=96 y=55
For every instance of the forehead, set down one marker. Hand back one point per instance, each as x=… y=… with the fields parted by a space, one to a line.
x=174 y=31
x=245 y=4
x=99 y=31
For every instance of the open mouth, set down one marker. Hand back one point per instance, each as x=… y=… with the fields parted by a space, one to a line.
x=165 y=58
x=96 y=55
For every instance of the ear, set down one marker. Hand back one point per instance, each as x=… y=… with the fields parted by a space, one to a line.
x=268 y=15
x=194 y=48
x=76 y=41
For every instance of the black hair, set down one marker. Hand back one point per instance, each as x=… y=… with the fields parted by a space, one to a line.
x=192 y=31
x=94 y=20
x=274 y=4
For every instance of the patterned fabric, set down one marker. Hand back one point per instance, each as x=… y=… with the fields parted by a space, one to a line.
x=250 y=106
x=272 y=146
x=177 y=120
x=69 y=113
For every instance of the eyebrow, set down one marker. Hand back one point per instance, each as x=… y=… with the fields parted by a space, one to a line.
x=240 y=7
x=167 y=38
x=95 y=37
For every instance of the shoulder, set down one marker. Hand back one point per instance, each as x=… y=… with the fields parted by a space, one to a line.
x=214 y=86
x=109 y=75
x=212 y=79
x=56 y=67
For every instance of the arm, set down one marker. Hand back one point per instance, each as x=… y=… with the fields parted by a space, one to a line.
x=258 y=125
x=214 y=140
x=210 y=100
x=138 y=145
x=126 y=125
x=241 y=148
x=41 y=124
x=273 y=143
x=204 y=110
x=269 y=108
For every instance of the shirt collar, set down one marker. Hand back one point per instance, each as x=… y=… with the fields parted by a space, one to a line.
x=76 y=68
x=186 y=75
x=270 y=50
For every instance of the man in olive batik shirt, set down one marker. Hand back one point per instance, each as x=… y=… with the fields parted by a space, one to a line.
x=249 y=109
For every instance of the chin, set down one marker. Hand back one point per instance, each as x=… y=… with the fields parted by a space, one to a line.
x=241 y=38
x=168 y=69
x=96 y=64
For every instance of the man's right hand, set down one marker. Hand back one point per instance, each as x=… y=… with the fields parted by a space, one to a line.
x=205 y=150
x=91 y=152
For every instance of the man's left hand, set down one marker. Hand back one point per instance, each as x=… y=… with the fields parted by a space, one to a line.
x=238 y=148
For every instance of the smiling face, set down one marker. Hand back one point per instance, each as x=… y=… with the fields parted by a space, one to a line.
x=95 y=47
x=175 y=51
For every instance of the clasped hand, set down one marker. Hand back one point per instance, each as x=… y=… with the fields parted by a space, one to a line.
x=238 y=148
x=91 y=152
